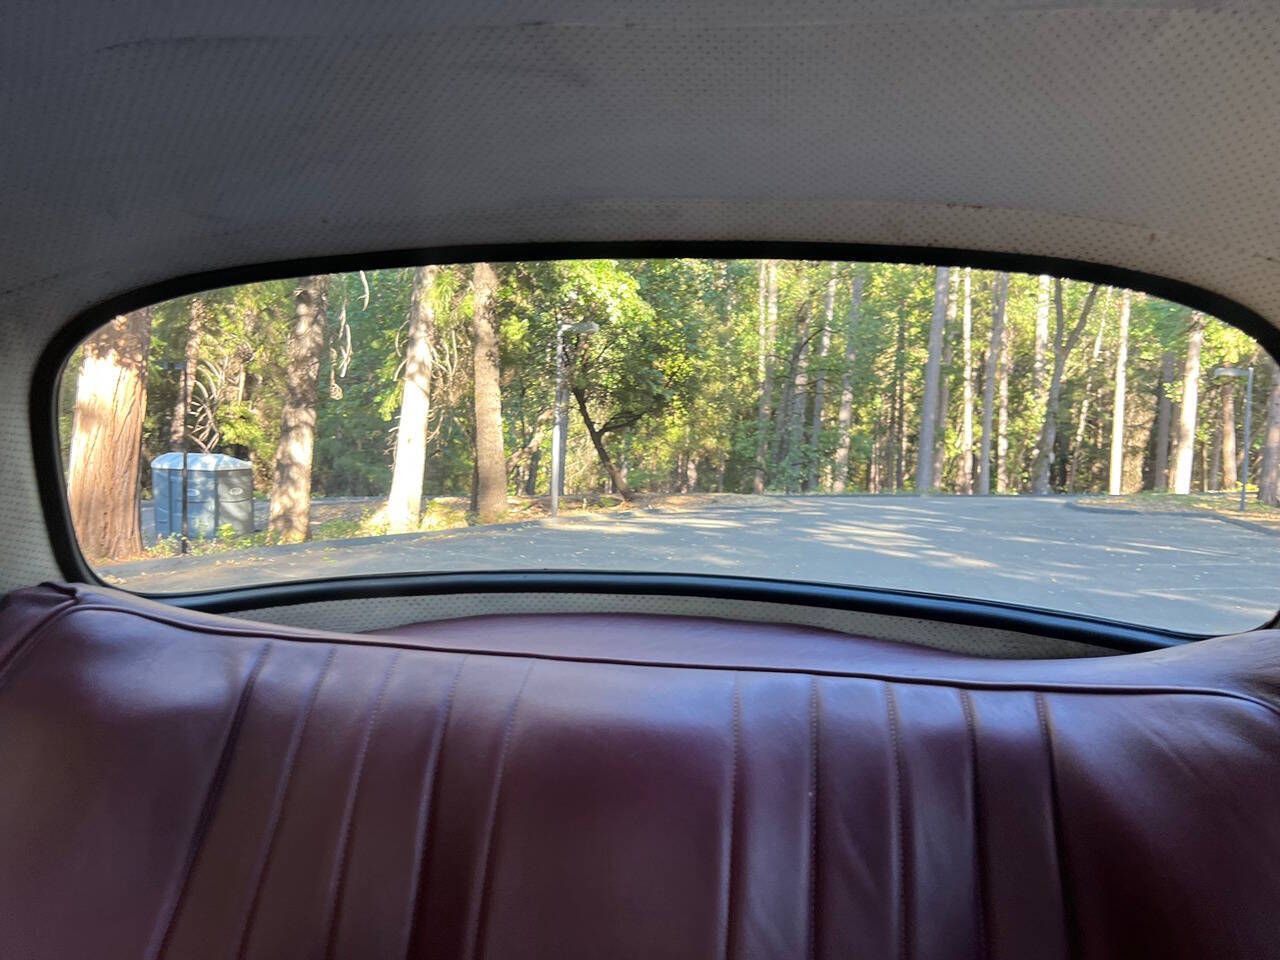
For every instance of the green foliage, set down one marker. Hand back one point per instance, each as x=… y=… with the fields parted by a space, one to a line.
x=671 y=377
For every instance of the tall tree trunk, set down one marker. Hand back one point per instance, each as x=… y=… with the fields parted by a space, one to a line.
x=820 y=384
x=617 y=477
x=1269 y=476
x=964 y=476
x=875 y=460
x=767 y=327
x=899 y=416
x=196 y=321
x=1064 y=342
x=1115 y=472
x=925 y=482
x=491 y=461
x=1185 y=441
x=1214 y=481
x=790 y=409
x=944 y=381
x=404 y=503
x=1040 y=367
x=999 y=293
x=1229 y=475
x=944 y=404
x=1039 y=361
x=290 y=515
x=796 y=466
x=844 y=423
x=531 y=480
x=1164 y=414
x=531 y=452
x=106 y=438
x=1040 y=355
x=1077 y=443
x=1002 y=407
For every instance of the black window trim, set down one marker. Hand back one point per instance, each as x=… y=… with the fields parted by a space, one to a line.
x=46 y=447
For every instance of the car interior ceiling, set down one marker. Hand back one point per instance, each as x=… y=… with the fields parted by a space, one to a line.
x=525 y=759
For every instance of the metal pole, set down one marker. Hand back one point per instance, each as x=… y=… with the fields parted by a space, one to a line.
x=186 y=402
x=557 y=466
x=1248 y=431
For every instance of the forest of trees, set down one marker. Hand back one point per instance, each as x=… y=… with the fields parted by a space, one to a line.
x=703 y=375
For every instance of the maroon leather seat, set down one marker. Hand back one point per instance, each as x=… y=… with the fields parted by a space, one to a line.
x=181 y=785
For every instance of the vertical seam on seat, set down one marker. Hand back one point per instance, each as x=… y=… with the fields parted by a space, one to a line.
x=979 y=836
x=353 y=796
x=21 y=647
x=282 y=796
x=813 y=816
x=731 y=859
x=904 y=860
x=427 y=806
x=1059 y=851
x=212 y=795
x=476 y=938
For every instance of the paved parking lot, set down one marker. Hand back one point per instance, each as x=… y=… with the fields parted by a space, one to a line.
x=1182 y=571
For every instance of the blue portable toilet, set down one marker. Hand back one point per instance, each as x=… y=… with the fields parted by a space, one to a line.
x=219 y=494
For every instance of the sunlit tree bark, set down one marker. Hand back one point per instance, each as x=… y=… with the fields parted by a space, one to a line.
x=290 y=515
x=820 y=382
x=1077 y=442
x=1228 y=433
x=767 y=330
x=1184 y=441
x=1269 y=476
x=106 y=439
x=844 y=421
x=999 y=294
x=964 y=476
x=1064 y=342
x=1164 y=415
x=932 y=371
x=196 y=322
x=944 y=381
x=404 y=503
x=788 y=444
x=899 y=414
x=491 y=464
x=1115 y=472
x=796 y=466
x=1040 y=360
x=1002 y=409
x=597 y=434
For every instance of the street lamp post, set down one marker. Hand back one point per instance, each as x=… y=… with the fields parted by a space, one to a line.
x=558 y=426
x=1247 y=374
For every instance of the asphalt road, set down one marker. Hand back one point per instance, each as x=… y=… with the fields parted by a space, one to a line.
x=1181 y=571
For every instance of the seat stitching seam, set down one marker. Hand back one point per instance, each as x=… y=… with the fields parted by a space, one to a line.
x=731 y=864
x=277 y=814
x=814 y=708
x=212 y=796
x=1059 y=851
x=476 y=938
x=348 y=814
x=428 y=804
x=904 y=862
x=22 y=647
x=979 y=844
x=1031 y=686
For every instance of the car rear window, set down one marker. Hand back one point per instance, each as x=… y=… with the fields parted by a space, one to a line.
x=1026 y=439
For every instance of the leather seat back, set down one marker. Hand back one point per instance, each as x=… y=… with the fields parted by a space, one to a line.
x=189 y=786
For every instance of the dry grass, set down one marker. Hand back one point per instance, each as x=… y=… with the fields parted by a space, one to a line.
x=1224 y=505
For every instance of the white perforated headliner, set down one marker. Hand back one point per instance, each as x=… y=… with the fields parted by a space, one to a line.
x=143 y=141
